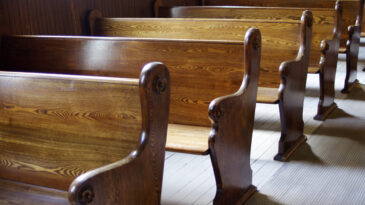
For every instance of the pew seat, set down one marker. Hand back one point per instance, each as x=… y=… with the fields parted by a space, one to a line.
x=188 y=138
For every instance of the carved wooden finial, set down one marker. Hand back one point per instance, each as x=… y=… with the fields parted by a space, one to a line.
x=160 y=84
x=87 y=195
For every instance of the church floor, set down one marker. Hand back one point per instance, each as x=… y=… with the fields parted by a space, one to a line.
x=328 y=169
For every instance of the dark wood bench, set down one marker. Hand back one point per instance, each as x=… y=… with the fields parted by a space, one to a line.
x=199 y=77
x=326 y=34
x=284 y=59
x=351 y=25
x=100 y=138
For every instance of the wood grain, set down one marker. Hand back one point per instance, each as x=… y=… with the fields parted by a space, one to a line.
x=136 y=179
x=65 y=17
x=187 y=138
x=16 y=193
x=214 y=78
x=352 y=17
x=325 y=38
x=43 y=153
x=199 y=74
x=275 y=50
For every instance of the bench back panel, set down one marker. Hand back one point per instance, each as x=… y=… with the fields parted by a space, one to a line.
x=324 y=20
x=54 y=128
x=200 y=71
x=350 y=8
x=276 y=48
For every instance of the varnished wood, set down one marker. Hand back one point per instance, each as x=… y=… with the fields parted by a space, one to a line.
x=214 y=29
x=136 y=179
x=352 y=17
x=325 y=38
x=199 y=74
x=67 y=17
x=25 y=52
x=56 y=127
x=17 y=193
x=178 y=136
x=276 y=48
x=233 y=116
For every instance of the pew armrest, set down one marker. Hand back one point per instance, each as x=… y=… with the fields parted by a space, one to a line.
x=136 y=179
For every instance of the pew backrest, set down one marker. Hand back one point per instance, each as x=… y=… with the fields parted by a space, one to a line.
x=276 y=48
x=199 y=70
x=352 y=9
x=54 y=128
x=326 y=22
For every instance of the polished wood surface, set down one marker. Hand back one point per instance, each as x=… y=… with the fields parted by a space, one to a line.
x=232 y=125
x=123 y=57
x=136 y=179
x=17 y=193
x=326 y=34
x=187 y=138
x=55 y=128
x=66 y=17
x=351 y=25
x=65 y=120
x=199 y=74
x=276 y=49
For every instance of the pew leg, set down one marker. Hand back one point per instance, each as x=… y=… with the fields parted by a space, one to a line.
x=352 y=54
x=291 y=130
x=327 y=77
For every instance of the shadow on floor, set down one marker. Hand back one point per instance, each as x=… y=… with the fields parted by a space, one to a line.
x=305 y=154
x=357 y=93
x=261 y=199
x=343 y=125
x=339 y=113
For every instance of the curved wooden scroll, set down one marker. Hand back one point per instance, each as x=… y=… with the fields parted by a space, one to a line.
x=292 y=90
x=136 y=179
x=328 y=67
x=230 y=140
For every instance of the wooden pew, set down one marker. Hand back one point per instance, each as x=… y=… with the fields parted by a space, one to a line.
x=201 y=84
x=351 y=25
x=283 y=69
x=100 y=138
x=326 y=34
